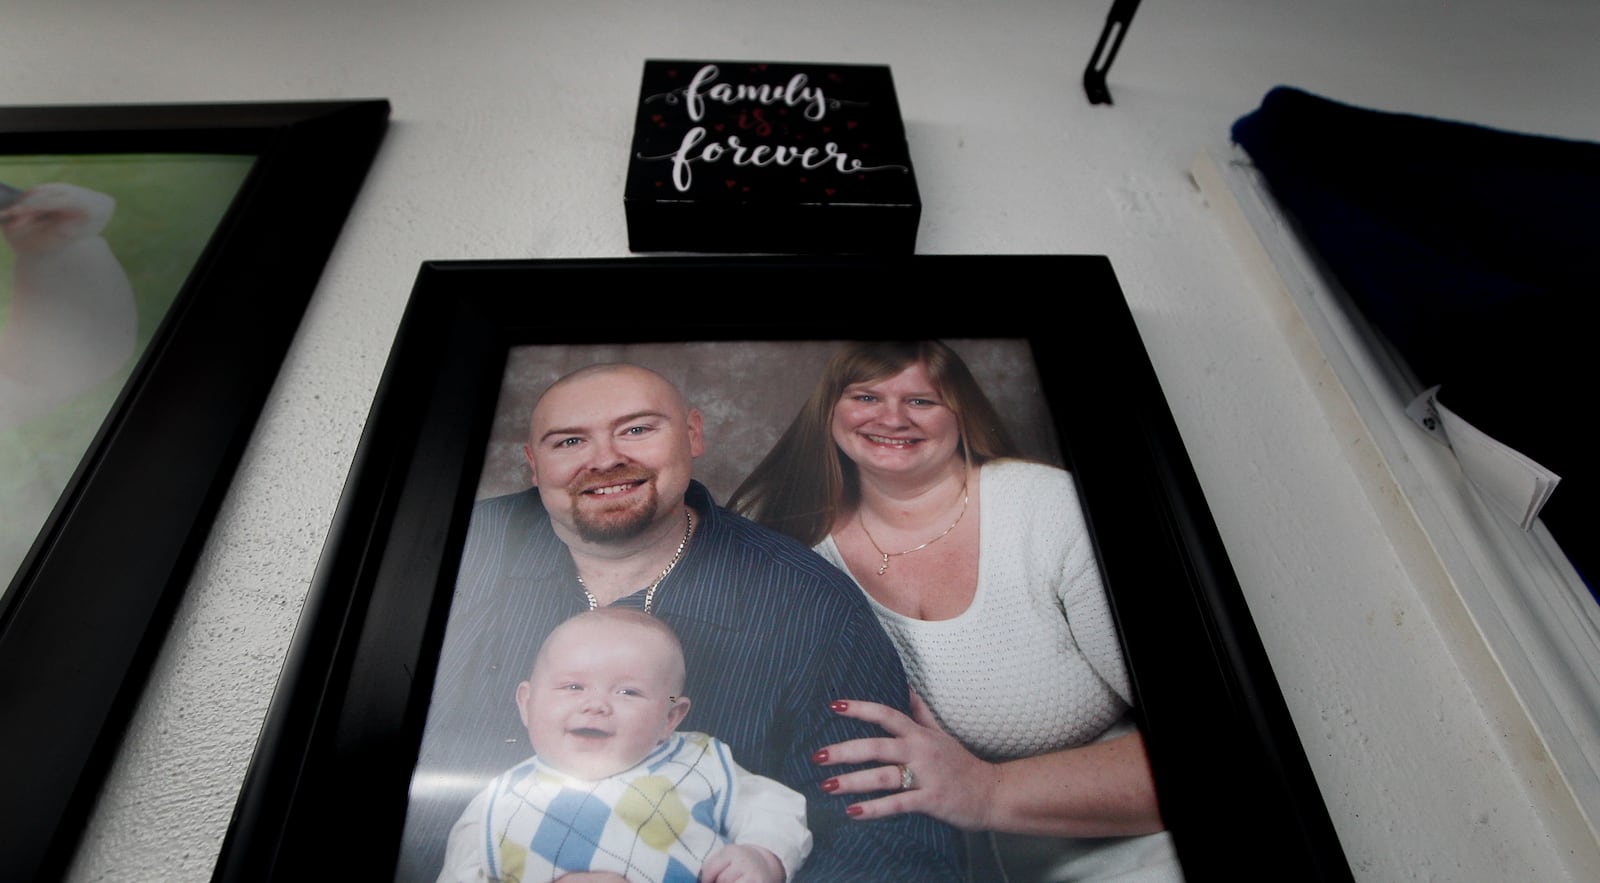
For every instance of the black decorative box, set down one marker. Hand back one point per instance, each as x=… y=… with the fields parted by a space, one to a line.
x=738 y=156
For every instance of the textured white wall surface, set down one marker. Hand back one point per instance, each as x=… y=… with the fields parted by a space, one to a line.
x=509 y=139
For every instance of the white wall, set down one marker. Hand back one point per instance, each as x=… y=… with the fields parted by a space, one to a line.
x=509 y=139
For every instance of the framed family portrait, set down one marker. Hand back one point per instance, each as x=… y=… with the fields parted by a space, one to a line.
x=376 y=700
x=154 y=265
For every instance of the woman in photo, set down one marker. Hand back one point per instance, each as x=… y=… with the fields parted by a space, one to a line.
x=979 y=565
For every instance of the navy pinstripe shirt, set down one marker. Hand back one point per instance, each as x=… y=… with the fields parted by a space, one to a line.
x=771 y=633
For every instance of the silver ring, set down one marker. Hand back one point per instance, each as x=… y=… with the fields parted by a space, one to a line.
x=906 y=778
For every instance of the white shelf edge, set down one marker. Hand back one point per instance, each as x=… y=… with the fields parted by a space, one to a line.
x=1527 y=617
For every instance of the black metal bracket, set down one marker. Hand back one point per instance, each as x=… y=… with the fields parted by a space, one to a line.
x=1094 y=76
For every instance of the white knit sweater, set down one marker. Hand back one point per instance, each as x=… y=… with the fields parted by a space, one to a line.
x=1034 y=664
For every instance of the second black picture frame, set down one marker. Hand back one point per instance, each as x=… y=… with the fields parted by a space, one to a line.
x=88 y=609
x=1234 y=785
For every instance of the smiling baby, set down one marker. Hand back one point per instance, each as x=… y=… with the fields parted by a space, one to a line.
x=612 y=786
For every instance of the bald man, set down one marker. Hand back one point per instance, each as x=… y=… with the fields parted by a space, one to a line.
x=771 y=632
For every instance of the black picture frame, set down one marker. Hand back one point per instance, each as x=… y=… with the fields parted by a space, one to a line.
x=87 y=610
x=1235 y=787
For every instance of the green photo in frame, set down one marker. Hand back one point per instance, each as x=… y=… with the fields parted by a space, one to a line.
x=96 y=250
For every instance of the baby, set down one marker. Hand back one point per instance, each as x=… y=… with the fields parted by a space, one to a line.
x=612 y=787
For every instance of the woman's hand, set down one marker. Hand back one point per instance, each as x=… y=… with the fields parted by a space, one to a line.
x=946 y=780
x=1102 y=789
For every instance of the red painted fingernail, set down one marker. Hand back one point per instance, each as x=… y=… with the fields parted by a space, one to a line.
x=839 y=705
x=830 y=785
x=853 y=810
x=820 y=756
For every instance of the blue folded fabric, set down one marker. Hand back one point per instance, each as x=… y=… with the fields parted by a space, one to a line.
x=1475 y=252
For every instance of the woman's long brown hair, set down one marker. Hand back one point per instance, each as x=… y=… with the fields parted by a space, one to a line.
x=805 y=481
